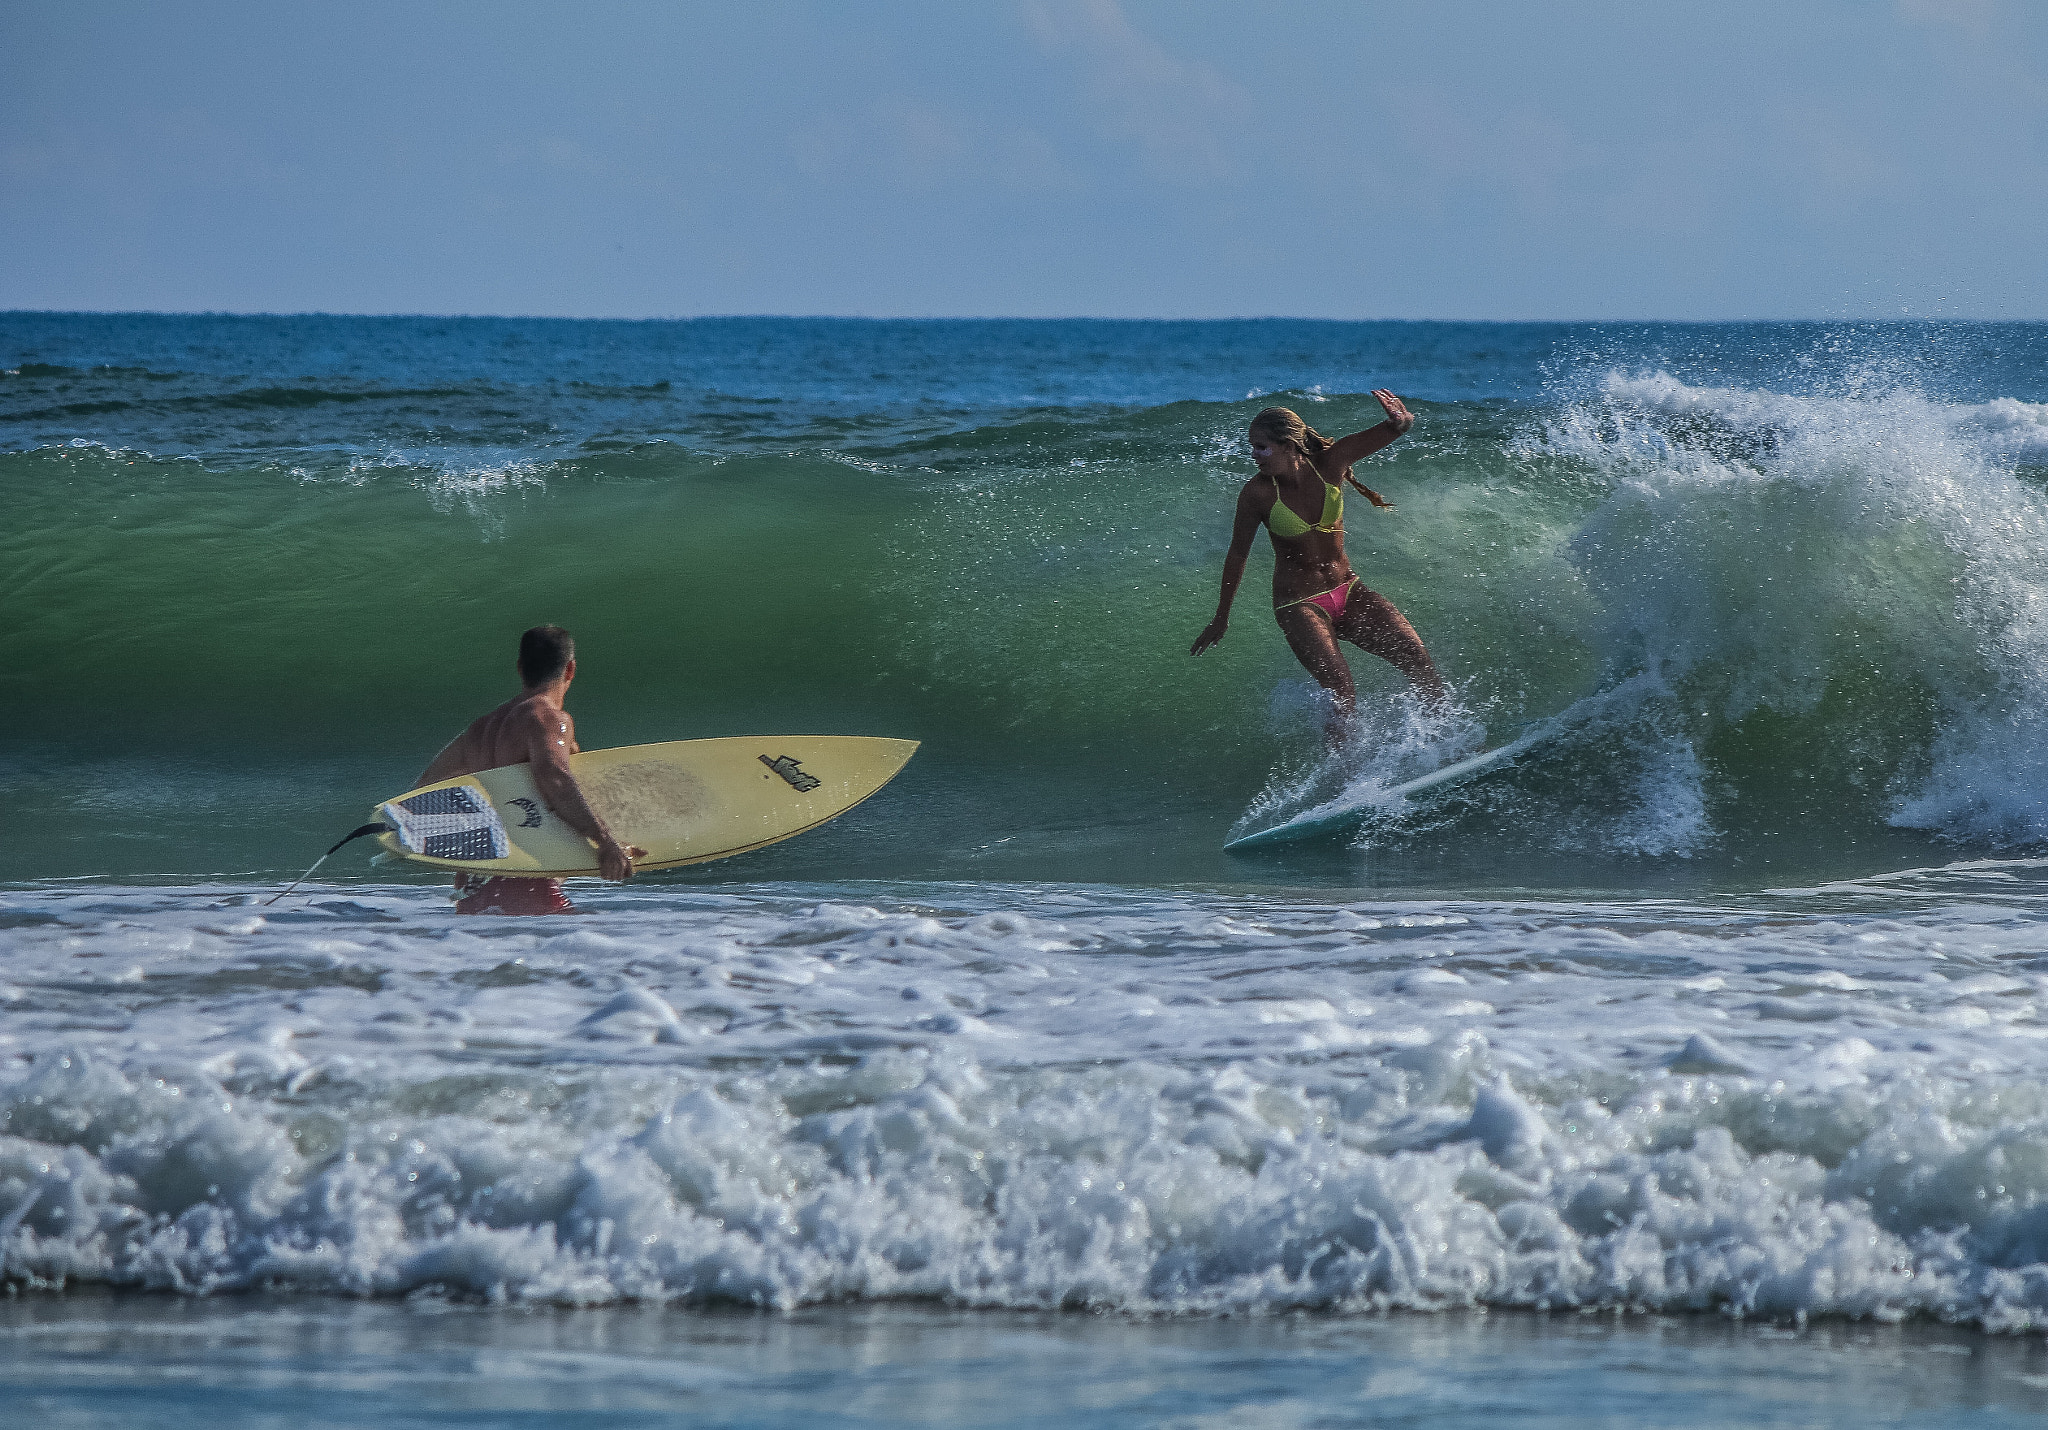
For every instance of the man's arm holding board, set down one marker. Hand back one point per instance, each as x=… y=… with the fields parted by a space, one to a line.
x=550 y=737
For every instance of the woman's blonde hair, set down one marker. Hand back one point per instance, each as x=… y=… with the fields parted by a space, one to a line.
x=1284 y=424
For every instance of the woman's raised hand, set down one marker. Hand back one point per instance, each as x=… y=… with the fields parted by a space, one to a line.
x=1397 y=414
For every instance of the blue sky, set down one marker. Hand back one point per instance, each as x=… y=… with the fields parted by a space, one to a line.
x=1449 y=159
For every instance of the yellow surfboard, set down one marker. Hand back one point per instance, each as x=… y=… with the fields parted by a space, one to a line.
x=684 y=802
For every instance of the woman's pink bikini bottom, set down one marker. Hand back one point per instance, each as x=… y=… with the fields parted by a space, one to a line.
x=1332 y=600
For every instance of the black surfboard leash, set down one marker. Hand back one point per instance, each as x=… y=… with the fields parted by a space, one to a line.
x=375 y=826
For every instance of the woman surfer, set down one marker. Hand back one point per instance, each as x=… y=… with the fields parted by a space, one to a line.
x=1298 y=496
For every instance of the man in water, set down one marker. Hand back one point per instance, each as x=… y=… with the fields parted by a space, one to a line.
x=532 y=728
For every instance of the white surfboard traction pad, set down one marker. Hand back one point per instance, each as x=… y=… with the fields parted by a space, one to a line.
x=452 y=823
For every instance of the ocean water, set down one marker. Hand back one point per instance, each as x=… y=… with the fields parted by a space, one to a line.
x=1720 y=1014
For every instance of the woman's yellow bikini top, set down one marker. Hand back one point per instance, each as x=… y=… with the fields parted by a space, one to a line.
x=1282 y=521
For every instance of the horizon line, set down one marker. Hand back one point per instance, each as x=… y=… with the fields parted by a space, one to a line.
x=946 y=317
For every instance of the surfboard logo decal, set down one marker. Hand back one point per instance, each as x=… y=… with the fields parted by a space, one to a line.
x=533 y=816
x=790 y=770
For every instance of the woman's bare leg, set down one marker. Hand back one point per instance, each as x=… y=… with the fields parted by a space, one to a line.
x=1371 y=623
x=1314 y=644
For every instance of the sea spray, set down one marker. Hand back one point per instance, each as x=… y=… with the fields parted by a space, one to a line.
x=1857 y=572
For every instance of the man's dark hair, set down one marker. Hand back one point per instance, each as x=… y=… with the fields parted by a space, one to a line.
x=544 y=653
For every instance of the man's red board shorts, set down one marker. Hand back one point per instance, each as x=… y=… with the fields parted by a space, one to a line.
x=510 y=896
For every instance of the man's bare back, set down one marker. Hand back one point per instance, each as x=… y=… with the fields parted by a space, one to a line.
x=512 y=734
x=533 y=729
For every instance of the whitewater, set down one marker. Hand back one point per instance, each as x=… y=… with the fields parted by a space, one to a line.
x=1724 y=1003
x=1803 y=1103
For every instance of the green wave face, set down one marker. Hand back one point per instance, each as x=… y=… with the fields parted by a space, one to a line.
x=1828 y=607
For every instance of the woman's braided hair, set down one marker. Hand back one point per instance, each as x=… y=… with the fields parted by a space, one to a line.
x=1284 y=424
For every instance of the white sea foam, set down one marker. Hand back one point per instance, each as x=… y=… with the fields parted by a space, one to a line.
x=1813 y=1102
x=1389 y=742
x=2004 y=427
x=1739 y=550
x=478 y=487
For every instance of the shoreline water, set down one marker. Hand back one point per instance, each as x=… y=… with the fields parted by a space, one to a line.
x=136 y=1360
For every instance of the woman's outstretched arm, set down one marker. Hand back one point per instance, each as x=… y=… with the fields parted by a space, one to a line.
x=1360 y=445
x=1243 y=529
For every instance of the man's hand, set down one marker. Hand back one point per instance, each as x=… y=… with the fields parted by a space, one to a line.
x=615 y=860
x=1211 y=634
x=1397 y=414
